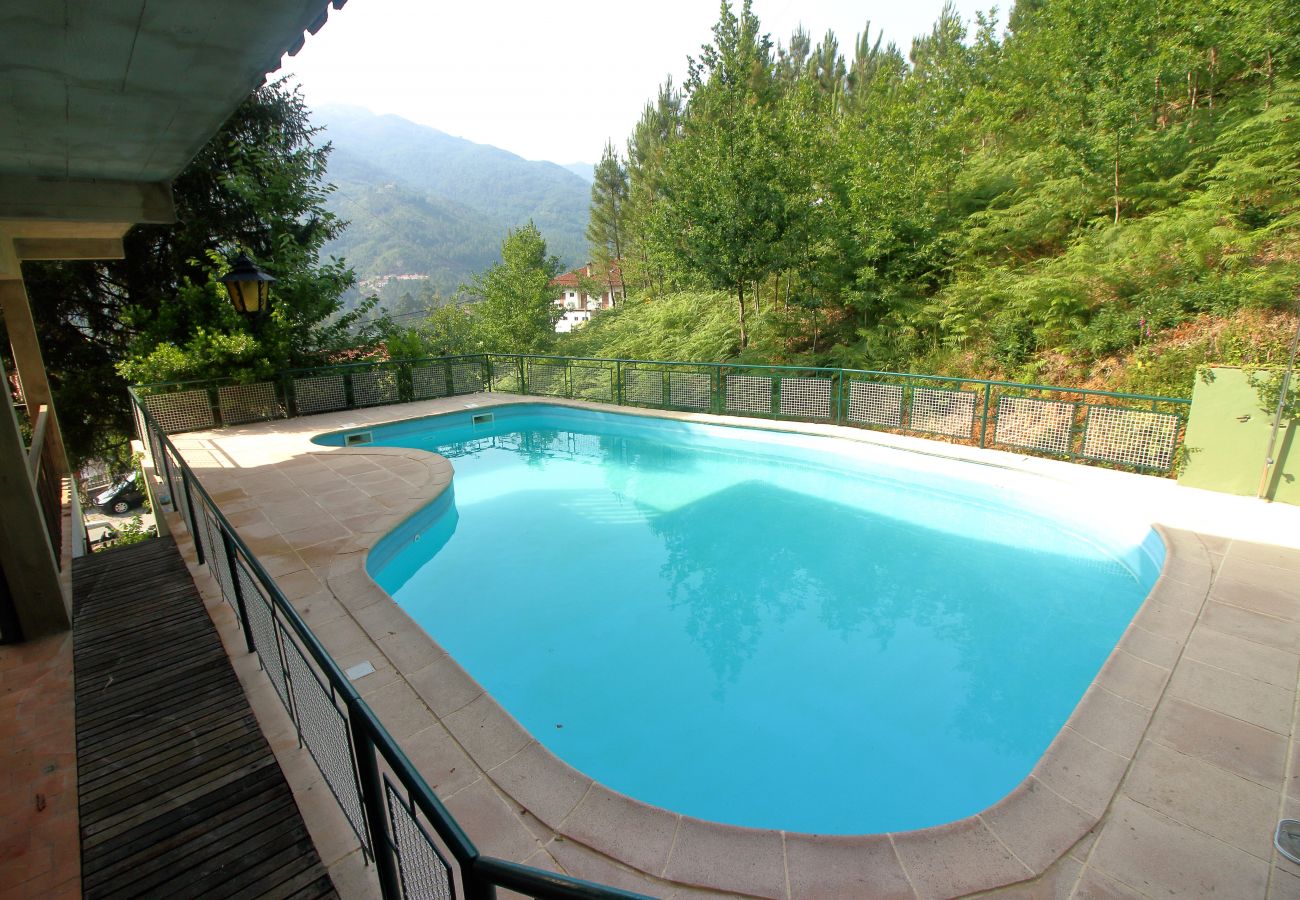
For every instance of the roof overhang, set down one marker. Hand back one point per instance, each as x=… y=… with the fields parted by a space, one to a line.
x=104 y=102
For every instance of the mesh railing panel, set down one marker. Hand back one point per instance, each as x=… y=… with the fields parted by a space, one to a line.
x=261 y=621
x=690 y=390
x=592 y=383
x=943 y=412
x=1132 y=437
x=806 y=398
x=505 y=376
x=181 y=410
x=374 y=388
x=749 y=393
x=466 y=378
x=643 y=387
x=171 y=475
x=319 y=393
x=428 y=382
x=324 y=731
x=240 y=403
x=1035 y=424
x=544 y=378
x=217 y=563
x=876 y=404
x=424 y=872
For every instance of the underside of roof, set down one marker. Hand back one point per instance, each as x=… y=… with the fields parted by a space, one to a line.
x=128 y=91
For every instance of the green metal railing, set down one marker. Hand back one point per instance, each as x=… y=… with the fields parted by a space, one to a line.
x=1132 y=431
x=418 y=848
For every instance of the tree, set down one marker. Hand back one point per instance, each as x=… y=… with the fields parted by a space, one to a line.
x=160 y=313
x=725 y=211
x=516 y=311
x=609 y=193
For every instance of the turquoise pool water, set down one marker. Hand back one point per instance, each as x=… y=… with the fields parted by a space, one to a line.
x=759 y=628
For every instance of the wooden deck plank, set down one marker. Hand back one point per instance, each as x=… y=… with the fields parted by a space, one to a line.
x=179 y=792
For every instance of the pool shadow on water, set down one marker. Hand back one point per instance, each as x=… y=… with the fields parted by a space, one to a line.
x=865 y=575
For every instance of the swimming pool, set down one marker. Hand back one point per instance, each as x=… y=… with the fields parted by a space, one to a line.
x=762 y=628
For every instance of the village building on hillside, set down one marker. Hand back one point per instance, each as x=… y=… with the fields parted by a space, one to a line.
x=575 y=294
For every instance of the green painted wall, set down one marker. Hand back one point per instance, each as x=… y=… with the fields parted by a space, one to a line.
x=1227 y=437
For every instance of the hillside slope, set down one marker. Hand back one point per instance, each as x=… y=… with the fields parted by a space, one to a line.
x=425 y=201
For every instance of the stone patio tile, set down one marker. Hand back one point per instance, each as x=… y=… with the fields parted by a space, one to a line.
x=1263 y=589
x=1252 y=626
x=1057 y=883
x=282 y=563
x=271 y=545
x=490 y=822
x=319 y=609
x=620 y=827
x=356 y=589
x=1158 y=856
x=486 y=731
x=444 y=685
x=342 y=637
x=1081 y=771
x=1150 y=647
x=1186 y=597
x=1257 y=702
x=1188 y=561
x=295 y=585
x=437 y=757
x=320 y=557
x=325 y=530
x=1165 y=619
x=583 y=862
x=541 y=783
x=724 y=857
x=1193 y=792
x=959 y=858
x=1229 y=743
x=371 y=522
x=1133 y=679
x=1253 y=554
x=1110 y=720
x=844 y=868
x=401 y=711
x=1037 y=825
x=1283 y=884
x=245 y=518
x=1244 y=657
x=1097 y=885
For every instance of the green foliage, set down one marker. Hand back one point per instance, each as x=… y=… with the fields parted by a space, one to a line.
x=687 y=326
x=160 y=313
x=1071 y=196
x=516 y=310
x=449 y=330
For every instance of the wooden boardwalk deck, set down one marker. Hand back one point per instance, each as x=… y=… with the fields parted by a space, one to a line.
x=179 y=793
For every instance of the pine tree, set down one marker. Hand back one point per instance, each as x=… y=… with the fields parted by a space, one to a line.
x=606 y=230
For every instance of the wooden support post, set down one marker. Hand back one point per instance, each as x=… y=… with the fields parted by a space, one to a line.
x=31 y=366
x=26 y=552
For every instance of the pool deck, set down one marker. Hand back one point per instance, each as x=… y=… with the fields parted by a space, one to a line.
x=1169 y=777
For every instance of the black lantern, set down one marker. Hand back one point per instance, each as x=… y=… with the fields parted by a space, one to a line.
x=249 y=287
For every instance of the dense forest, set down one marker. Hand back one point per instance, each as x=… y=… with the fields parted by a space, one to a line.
x=1095 y=192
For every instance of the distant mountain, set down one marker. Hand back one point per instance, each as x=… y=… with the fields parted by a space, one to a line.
x=421 y=201
x=585 y=171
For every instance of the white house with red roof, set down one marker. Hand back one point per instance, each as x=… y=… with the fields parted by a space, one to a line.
x=579 y=305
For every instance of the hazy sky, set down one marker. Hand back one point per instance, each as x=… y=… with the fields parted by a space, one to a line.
x=549 y=80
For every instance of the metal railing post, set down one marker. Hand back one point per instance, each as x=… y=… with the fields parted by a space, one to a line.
x=984 y=420
x=229 y=546
x=372 y=801
x=194 y=522
x=618 y=383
